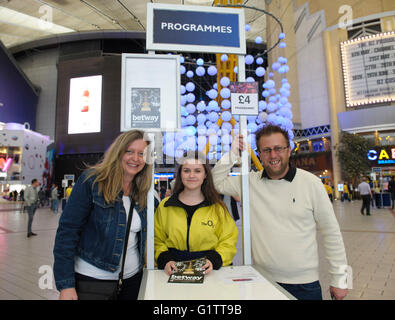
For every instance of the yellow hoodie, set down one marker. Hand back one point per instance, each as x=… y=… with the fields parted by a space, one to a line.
x=211 y=228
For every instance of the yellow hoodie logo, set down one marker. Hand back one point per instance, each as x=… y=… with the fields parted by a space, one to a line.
x=209 y=223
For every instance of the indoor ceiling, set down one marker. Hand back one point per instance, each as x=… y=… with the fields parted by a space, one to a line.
x=23 y=21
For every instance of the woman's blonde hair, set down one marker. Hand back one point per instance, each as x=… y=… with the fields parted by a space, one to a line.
x=109 y=171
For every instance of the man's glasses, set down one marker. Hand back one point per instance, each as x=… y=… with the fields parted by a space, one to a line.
x=277 y=150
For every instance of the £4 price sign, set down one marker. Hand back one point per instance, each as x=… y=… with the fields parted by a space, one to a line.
x=244 y=98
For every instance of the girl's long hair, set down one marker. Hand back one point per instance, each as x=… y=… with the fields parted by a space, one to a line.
x=208 y=189
x=109 y=171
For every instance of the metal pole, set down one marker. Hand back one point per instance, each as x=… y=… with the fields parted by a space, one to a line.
x=244 y=177
x=150 y=213
x=151 y=207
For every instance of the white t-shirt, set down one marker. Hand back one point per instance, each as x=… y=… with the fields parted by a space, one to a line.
x=132 y=260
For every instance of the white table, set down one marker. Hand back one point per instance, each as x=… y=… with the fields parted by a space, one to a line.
x=218 y=285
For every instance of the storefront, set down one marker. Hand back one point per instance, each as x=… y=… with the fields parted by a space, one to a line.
x=22 y=158
x=382 y=162
x=318 y=163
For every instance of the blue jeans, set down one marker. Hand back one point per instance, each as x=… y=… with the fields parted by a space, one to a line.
x=30 y=211
x=305 y=291
x=54 y=205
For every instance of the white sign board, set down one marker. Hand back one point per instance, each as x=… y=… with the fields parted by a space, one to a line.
x=150 y=96
x=244 y=98
x=369 y=69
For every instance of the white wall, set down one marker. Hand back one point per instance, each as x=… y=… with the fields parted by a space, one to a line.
x=41 y=69
x=313 y=92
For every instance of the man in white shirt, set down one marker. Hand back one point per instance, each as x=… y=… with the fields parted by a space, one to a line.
x=287 y=205
x=364 y=190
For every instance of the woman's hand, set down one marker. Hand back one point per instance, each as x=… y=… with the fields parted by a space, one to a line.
x=208 y=267
x=68 y=294
x=170 y=267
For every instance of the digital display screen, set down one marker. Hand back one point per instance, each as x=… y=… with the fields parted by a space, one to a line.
x=369 y=69
x=85 y=105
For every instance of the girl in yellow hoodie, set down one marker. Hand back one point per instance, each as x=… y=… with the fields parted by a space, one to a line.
x=194 y=222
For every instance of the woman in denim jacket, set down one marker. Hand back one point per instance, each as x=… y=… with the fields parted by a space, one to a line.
x=91 y=234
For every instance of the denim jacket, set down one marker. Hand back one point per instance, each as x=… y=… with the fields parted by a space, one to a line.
x=93 y=230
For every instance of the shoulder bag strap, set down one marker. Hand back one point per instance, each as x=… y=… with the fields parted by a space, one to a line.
x=125 y=247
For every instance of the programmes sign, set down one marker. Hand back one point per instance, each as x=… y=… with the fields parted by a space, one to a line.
x=369 y=69
x=195 y=28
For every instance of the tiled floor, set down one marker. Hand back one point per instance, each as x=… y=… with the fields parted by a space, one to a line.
x=369 y=241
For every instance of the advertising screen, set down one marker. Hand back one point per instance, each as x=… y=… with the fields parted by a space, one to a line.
x=369 y=69
x=85 y=104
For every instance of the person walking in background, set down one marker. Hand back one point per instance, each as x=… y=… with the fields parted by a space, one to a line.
x=287 y=206
x=346 y=192
x=31 y=203
x=95 y=255
x=351 y=191
x=41 y=197
x=54 y=198
x=365 y=192
x=162 y=192
x=194 y=222
x=376 y=195
x=328 y=189
x=68 y=190
x=371 y=185
x=391 y=189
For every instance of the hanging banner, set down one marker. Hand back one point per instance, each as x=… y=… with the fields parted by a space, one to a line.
x=195 y=29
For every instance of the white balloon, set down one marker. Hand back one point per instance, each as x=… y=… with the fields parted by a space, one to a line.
x=225 y=93
x=249 y=59
x=225 y=81
x=190 y=86
x=212 y=71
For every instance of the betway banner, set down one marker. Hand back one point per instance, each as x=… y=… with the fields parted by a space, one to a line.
x=195 y=29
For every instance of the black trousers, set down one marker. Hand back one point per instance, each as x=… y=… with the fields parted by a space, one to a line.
x=365 y=203
x=130 y=287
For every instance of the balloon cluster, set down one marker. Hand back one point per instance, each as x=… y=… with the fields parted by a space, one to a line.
x=199 y=117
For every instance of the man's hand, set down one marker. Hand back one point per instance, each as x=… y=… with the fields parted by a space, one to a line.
x=237 y=144
x=337 y=293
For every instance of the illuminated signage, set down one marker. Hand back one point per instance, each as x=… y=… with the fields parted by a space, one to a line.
x=382 y=156
x=164 y=175
x=85 y=104
x=369 y=69
x=5 y=164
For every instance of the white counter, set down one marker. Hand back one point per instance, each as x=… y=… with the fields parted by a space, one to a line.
x=218 y=285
